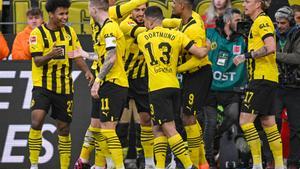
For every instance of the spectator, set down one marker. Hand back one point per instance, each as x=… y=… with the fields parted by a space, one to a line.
x=297 y=14
x=288 y=59
x=20 y=49
x=4 y=50
x=285 y=21
x=226 y=44
x=215 y=10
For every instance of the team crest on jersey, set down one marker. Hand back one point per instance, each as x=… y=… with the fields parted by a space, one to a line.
x=33 y=40
x=236 y=49
x=68 y=37
x=131 y=23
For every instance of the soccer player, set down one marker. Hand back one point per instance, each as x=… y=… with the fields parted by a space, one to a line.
x=197 y=81
x=161 y=48
x=116 y=12
x=111 y=84
x=263 y=82
x=52 y=80
x=136 y=70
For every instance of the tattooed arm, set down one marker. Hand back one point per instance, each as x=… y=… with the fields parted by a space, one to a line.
x=106 y=67
x=108 y=63
x=268 y=48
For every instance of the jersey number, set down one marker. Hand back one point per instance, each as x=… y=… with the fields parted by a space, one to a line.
x=165 y=48
x=104 y=104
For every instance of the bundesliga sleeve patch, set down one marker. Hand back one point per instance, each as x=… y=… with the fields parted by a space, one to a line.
x=33 y=40
x=110 y=42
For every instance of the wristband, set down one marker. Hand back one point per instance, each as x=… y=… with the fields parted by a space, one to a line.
x=248 y=55
x=98 y=80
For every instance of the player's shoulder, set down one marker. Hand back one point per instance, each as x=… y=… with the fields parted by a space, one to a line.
x=263 y=19
x=142 y=35
x=110 y=23
x=69 y=28
x=198 y=19
x=37 y=30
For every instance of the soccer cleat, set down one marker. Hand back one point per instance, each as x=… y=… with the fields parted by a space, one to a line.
x=80 y=165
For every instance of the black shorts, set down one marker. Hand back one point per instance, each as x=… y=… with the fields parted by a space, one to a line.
x=112 y=100
x=61 y=104
x=164 y=104
x=222 y=98
x=95 y=108
x=260 y=98
x=138 y=91
x=195 y=90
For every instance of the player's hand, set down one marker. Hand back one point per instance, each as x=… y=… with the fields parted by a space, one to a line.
x=94 y=90
x=78 y=53
x=56 y=52
x=239 y=59
x=89 y=76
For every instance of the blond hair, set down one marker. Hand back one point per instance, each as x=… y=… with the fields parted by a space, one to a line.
x=211 y=12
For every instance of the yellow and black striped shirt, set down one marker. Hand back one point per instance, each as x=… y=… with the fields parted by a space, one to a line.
x=56 y=74
x=110 y=36
x=135 y=65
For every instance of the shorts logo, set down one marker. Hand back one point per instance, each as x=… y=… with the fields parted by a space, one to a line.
x=236 y=49
x=32 y=103
x=105 y=113
x=33 y=40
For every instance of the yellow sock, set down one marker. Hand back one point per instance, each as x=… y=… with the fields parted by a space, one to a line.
x=125 y=152
x=99 y=157
x=193 y=139
x=180 y=150
x=147 y=141
x=99 y=153
x=114 y=146
x=35 y=144
x=64 y=147
x=275 y=143
x=202 y=158
x=160 y=151
x=88 y=145
x=253 y=141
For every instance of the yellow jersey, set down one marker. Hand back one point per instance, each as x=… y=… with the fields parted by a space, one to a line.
x=135 y=65
x=262 y=67
x=161 y=48
x=110 y=36
x=95 y=31
x=56 y=74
